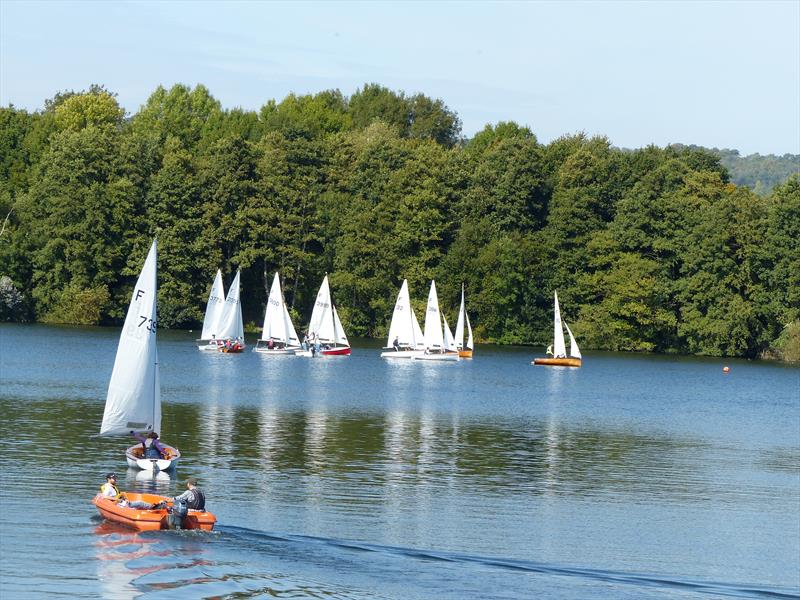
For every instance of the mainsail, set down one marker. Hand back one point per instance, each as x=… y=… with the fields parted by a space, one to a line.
x=133 y=400
x=230 y=324
x=434 y=335
x=277 y=322
x=559 y=348
x=214 y=308
x=404 y=325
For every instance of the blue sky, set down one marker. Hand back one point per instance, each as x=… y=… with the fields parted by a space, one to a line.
x=724 y=74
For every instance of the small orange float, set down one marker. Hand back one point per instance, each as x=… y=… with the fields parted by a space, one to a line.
x=149 y=520
x=726 y=369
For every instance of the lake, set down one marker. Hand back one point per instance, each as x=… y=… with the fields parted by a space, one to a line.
x=635 y=476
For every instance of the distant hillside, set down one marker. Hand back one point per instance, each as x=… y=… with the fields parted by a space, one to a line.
x=759 y=173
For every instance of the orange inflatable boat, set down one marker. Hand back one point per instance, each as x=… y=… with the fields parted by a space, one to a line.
x=149 y=520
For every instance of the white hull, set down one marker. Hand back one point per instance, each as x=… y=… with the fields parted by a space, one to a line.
x=151 y=464
x=439 y=357
x=290 y=351
x=401 y=353
x=207 y=346
x=305 y=353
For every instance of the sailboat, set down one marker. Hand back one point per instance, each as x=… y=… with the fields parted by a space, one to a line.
x=405 y=336
x=133 y=402
x=463 y=351
x=325 y=328
x=231 y=327
x=278 y=335
x=435 y=348
x=560 y=358
x=216 y=303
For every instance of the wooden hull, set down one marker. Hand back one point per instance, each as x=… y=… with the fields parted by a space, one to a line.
x=149 y=520
x=135 y=457
x=557 y=362
x=465 y=353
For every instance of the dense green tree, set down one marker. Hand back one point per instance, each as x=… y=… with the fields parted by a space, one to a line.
x=650 y=250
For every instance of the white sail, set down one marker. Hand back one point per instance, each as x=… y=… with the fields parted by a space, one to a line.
x=470 y=344
x=134 y=400
x=292 y=338
x=277 y=322
x=214 y=308
x=559 y=348
x=339 y=336
x=460 y=322
x=434 y=335
x=231 y=325
x=321 y=324
x=449 y=341
x=419 y=338
x=403 y=322
x=574 y=351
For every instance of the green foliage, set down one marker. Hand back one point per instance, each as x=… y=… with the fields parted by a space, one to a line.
x=650 y=250
x=78 y=306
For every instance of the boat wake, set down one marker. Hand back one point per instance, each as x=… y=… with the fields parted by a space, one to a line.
x=639 y=580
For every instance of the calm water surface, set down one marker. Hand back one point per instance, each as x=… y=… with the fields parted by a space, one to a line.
x=632 y=477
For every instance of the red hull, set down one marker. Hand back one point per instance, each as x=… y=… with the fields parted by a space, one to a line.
x=336 y=352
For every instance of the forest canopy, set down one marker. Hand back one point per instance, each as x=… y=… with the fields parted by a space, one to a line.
x=653 y=249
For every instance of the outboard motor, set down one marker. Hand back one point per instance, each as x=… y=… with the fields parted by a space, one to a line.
x=177 y=514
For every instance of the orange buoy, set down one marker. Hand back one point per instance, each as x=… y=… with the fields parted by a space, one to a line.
x=726 y=369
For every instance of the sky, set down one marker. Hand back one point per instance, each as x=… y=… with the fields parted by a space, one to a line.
x=722 y=74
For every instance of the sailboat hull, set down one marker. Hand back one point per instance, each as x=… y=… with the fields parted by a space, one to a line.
x=465 y=353
x=401 y=353
x=289 y=350
x=207 y=345
x=435 y=356
x=134 y=457
x=557 y=362
x=336 y=352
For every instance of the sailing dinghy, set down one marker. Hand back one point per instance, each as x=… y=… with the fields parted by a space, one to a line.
x=231 y=327
x=278 y=335
x=435 y=348
x=463 y=317
x=133 y=402
x=325 y=328
x=405 y=336
x=560 y=358
x=216 y=303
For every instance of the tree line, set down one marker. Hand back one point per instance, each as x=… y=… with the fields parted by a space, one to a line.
x=652 y=249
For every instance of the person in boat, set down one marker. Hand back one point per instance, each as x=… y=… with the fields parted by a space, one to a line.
x=110 y=490
x=151 y=446
x=192 y=499
x=396 y=343
x=271 y=344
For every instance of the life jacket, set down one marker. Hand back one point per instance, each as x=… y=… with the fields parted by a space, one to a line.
x=106 y=486
x=198 y=500
x=150 y=450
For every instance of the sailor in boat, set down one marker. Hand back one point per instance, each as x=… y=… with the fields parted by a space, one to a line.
x=192 y=499
x=152 y=448
x=396 y=343
x=110 y=490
